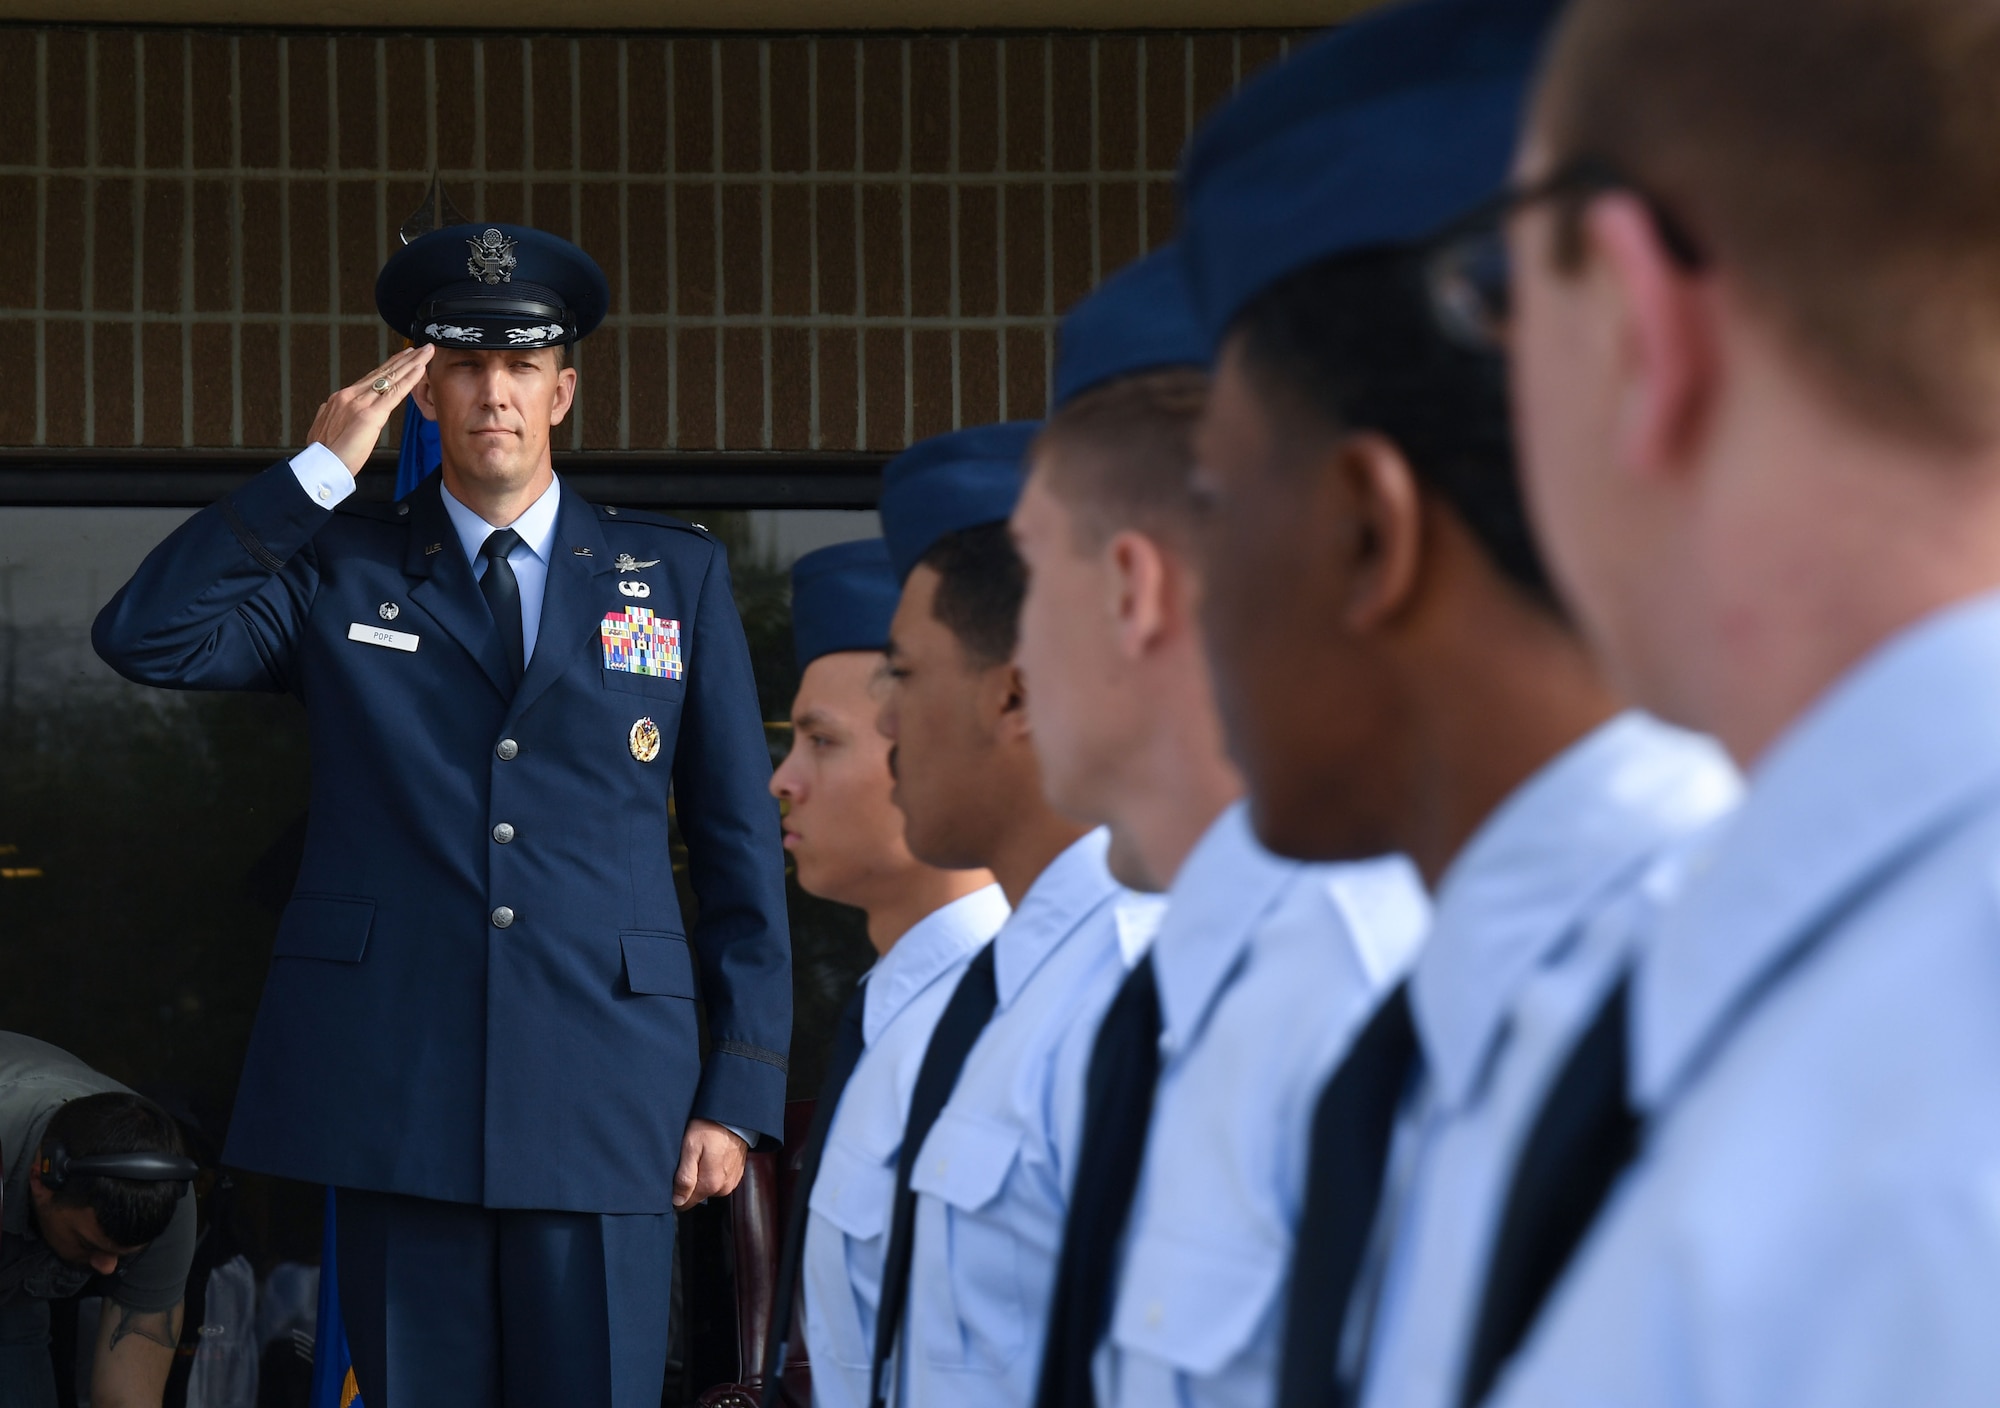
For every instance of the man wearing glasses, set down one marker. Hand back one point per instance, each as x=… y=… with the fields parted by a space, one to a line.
x=1755 y=331
x=1393 y=669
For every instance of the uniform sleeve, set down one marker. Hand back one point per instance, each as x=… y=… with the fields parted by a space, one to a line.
x=722 y=768
x=156 y=1279
x=220 y=604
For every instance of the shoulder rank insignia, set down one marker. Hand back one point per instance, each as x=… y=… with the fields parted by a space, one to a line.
x=625 y=562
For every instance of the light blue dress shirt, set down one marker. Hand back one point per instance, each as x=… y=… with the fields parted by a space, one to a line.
x=1267 y=969
x=847 y=1225
x=992 y=1179
x=1814 y=1219
x=1532 y=921
x=324 y=476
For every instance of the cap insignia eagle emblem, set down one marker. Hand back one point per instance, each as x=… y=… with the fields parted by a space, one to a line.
x=492 y=258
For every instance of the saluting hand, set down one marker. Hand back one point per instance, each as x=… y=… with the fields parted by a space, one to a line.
x=350 y=422
x=711 y=1163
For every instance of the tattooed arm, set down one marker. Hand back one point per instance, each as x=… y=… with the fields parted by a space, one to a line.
x=135 y=1351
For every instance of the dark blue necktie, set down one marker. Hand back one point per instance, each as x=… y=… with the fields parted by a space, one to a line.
x=1345 y=1170
x=1117 y=1108
x=503 y=595
x=846 y=1051
x=965 y=1017
x=1582 y=1140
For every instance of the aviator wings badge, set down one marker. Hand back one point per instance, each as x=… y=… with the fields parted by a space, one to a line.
x=625 y=562
x=492 y=259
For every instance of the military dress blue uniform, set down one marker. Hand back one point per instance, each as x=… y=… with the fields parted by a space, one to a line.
x=482 y=995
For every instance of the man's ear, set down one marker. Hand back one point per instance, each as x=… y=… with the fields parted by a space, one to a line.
x=426 y=402
x=1373 y=507
x=1664 y=336
x=1137 y=587
x=565 y=395
x=1004 y=695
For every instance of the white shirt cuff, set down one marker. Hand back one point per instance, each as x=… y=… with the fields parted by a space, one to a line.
x=747 y=1136
x=322 y=475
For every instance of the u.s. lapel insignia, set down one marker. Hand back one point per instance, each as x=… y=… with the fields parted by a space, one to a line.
x=433 y=549
x=625 y=562
x=581 y=552
x=644 y=740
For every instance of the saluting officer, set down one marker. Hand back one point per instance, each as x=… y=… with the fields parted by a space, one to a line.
x=479 y=1022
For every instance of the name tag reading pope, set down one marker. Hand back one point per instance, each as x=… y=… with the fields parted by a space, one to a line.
x=640 y=643
x=382 y=635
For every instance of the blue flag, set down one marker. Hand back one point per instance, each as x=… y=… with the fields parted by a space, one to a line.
x=333 y=1383
x=421 y=452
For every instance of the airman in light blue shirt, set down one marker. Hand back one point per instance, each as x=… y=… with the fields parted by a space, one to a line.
x=1532 y=922
x=1267 y=968
x=992 y=1180
x=1795 y=547
x=845 y=1236
x=846 y=840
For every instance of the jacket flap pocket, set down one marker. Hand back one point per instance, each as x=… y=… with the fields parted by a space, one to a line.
x=854 y=1192
x=965 y=1160
x=1197 y=1307
x=325 y=926
x=658 y=963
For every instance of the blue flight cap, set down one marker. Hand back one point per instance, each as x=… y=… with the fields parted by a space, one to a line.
x=949 y=482
x=842 y=599
x=1380 y=134
x=1138 y=320
x=491 y=286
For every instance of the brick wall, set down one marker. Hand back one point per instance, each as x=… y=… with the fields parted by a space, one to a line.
x=813 y=243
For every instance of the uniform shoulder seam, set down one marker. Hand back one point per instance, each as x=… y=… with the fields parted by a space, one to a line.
x=609 y=513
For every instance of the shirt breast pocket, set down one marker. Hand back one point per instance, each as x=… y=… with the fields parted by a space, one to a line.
x=1200 y=1309
x=982 y=1323
x=853 y=1194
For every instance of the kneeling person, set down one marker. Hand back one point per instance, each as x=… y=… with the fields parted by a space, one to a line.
x=96 y=1201
x=845 y=835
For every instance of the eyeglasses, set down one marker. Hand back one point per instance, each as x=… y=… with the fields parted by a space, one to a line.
x=1466 y=268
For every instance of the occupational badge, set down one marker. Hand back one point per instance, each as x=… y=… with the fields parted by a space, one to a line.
x=639 y=589
x=388 y=611
x=492 y=259
x=644 y=740
x=640 y=643
x=625 y=562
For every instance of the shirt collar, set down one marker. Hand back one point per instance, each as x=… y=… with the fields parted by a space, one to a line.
x=536 y=525
x=1557 y=847
x=1065 y=894
x=932 y=946
x=1225 y=886
x=1901 y=748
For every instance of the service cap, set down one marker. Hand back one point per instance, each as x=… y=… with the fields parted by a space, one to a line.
x=951 y=482
x=491 y=286
x=843 y=598
x=1379 y=134
x=1141 y=319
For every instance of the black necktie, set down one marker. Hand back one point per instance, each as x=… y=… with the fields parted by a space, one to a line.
x=965 y=1017
x=503 y=594
x=1582 y=1140
x=1117 y=1107
x=1349 y=1157
x=840 y=1062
